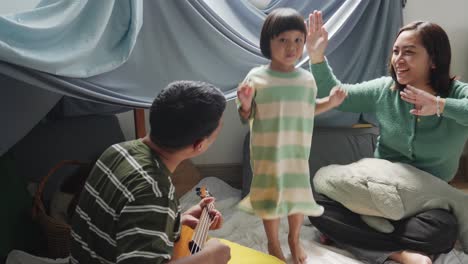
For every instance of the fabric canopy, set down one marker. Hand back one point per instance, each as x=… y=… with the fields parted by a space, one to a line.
x=209 y=40
x=72 y=38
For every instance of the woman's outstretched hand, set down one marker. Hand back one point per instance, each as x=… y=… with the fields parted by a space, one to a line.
x=317 y=38
x=424 y=102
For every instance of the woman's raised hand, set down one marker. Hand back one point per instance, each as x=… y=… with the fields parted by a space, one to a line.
x=424 y=102
x=317 y=37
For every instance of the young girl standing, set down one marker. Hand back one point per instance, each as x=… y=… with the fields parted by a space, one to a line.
x=279 y=101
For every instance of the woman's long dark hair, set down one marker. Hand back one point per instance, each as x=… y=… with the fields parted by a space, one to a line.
x=437 y=44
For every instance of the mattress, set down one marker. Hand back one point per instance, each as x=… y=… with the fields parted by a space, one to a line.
x=247 y=229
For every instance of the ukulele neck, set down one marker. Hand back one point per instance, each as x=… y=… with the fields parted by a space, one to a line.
x=201 y=230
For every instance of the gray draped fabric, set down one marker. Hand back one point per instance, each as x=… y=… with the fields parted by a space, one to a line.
x=214 y=41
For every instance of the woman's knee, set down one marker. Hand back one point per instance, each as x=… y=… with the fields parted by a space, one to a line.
x=432 y=231
x=445 y=227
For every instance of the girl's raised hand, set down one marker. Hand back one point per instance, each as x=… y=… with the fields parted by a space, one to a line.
x=245 y=95
x=317 y=37
x=337 y=96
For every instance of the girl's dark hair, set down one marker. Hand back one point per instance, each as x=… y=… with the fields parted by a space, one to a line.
x=184 y=112
x=278 y=21
x=437 y=44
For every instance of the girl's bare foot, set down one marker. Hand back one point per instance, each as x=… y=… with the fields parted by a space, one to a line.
x=409 y=257
x=299 y=256
x=274 y=249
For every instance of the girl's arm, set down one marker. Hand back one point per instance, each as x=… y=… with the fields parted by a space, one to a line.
x=336 y=97
x=322 y=105
x=362 y=97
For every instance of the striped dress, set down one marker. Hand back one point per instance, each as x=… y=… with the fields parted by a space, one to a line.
x=128 y=211
x=281 y=126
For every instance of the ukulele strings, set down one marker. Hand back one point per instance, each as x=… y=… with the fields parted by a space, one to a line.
x=202 y=227
x=197 y=233
x=206 y=225
x=201 y=231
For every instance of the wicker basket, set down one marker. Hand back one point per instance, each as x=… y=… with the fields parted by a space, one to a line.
x=57 y=233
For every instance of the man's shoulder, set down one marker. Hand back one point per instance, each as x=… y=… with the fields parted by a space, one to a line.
x=129 y=151
x=117 y=148
x=134 y=165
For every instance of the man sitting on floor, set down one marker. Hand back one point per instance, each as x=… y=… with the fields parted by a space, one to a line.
x=128 y=211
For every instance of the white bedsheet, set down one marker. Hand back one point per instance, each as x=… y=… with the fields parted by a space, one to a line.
x=247 y=229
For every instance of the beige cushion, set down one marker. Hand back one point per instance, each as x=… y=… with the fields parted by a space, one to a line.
x=385 y=190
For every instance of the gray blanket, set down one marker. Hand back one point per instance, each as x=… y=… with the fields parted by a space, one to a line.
x=380 y=190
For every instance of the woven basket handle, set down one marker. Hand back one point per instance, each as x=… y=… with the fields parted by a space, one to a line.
x=38 y=205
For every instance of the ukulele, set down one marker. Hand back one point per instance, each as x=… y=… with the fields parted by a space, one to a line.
x=191 y=240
